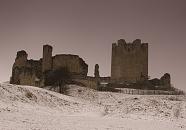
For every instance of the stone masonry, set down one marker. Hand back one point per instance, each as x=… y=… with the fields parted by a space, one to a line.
x=129 y=61
x=129 y=66
x=32 y=72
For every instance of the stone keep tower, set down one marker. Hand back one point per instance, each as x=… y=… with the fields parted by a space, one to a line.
x=129 y=61
x=47 y=58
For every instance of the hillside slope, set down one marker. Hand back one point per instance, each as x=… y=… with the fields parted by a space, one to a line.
x=26 y=107
x=123 y=105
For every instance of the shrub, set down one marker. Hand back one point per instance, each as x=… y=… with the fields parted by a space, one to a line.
x=29 y=94
x=177 y=112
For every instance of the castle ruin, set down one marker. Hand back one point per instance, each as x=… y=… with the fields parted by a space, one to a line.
x=129 y=65
x=32 y=72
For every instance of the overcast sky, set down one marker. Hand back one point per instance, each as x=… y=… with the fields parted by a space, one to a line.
x=89 y=27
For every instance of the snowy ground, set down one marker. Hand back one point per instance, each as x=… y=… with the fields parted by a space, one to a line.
x=32 y=108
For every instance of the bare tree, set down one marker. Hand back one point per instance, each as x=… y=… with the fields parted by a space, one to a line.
x=58 y=78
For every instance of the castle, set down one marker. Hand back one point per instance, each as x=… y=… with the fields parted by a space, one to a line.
x=129 y=65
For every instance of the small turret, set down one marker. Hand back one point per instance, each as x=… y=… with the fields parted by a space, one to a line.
x=96 y=71
x=47 y=58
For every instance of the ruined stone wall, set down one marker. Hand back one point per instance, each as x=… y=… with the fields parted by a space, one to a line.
x=25 y=71
x=32 y=73
x=20 y=62
x=74 y=63
x=90 y=82
x=105 y=79
x=129 y=61
x=28 y=74
x=166 y=80
x=28 y=78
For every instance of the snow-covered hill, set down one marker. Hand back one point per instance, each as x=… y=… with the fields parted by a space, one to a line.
x=26 y=107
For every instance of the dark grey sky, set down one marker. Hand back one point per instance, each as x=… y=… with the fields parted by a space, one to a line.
x=89 y=27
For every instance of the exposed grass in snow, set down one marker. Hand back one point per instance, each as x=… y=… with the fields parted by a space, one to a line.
x=26 y=107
